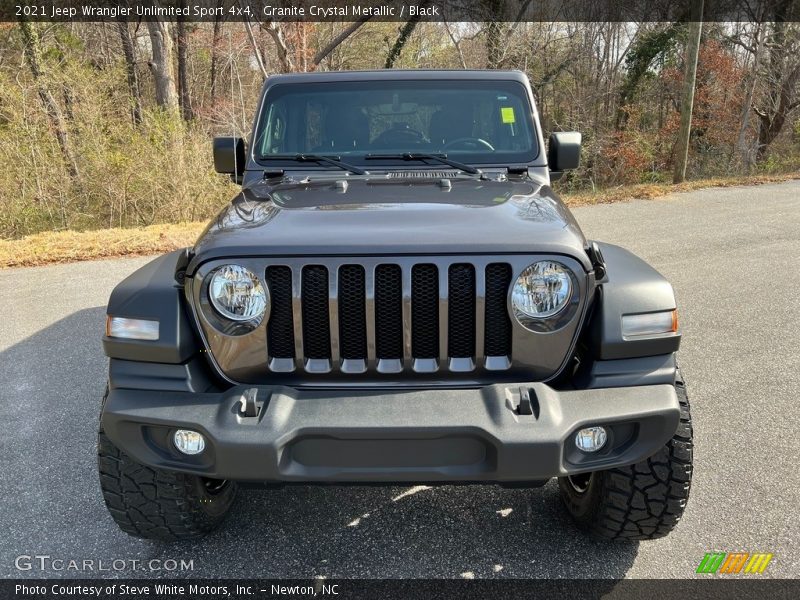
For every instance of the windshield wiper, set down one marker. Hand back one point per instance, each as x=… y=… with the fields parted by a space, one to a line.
x=328 y=160
x=442 y=158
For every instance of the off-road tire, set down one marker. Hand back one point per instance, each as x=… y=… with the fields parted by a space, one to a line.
x=156 y=504
x=643 y=501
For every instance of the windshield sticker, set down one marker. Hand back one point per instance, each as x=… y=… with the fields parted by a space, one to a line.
x=507 y=114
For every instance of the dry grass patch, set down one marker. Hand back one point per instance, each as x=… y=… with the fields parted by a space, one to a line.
x=654 y=190
x=69 y=246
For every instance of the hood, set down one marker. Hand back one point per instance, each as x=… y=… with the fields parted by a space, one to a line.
x=382 y=215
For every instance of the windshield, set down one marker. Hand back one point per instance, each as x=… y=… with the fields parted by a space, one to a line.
x=474 y=122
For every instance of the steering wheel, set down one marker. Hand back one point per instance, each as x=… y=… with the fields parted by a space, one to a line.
x=401 y=135
x=469 y=143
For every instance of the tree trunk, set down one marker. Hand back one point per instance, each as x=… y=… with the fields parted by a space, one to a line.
x=275 y=30
x=742 y=147
x=335 y=42
x=161 y=65
x=130 y=68
x=402 y=38
x=687 y=104
x=493 y=17
x=256 y=50
x=457 y=45
x=772 y=123
x=493 y=44
x=783 y=72
x=215 y=44
x=769 y=130
x=184 y=95
x=33 y=56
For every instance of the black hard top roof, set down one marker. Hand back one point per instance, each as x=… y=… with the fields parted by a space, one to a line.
x=397 y=74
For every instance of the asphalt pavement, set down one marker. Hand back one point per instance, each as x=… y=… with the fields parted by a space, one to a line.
x=732 y=255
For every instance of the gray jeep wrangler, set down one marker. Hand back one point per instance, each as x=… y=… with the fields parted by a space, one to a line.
x=397 y=295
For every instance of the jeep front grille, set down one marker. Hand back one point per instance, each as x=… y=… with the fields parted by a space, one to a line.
x=425 y=312
x=498 y=323
x=280 y=330
x=316 y=318
x=388 y=312
x=352 y=311
x=388 y=317
x=461 y=312
x=415 y=321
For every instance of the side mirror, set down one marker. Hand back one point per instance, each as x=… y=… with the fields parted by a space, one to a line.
x=229 y=156
x=563 y=152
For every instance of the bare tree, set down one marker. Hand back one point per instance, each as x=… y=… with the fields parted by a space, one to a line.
x=782 y=79
x=687 y=103
x=325 y=51
x=402 y=38
x=33 y=56
x=276 y=32
x=457 y=45
x=256 y=50
x=754 y=46
x=287 y=53
x=130 y=70
x=161 y=64
x=500 y=28
x=215 y=50
x=184 y=95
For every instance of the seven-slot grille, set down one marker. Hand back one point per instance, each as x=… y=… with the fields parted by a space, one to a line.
x=388 y=317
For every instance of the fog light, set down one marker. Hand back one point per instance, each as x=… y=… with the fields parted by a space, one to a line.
x=591 y=439
x=189 y=442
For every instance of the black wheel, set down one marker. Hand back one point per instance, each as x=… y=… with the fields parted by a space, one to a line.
x=643 y=501
x=156 y=504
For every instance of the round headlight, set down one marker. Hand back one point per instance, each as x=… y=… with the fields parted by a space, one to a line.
x=542 y=290
x=237 y=294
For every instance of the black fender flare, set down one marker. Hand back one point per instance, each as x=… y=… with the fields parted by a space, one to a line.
x=631 y=286
x=154 y=292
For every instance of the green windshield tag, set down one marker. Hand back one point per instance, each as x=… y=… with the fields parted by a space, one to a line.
x=507 y=114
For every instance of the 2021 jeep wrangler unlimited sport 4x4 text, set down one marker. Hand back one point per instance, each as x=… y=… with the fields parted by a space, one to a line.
x=396 y=295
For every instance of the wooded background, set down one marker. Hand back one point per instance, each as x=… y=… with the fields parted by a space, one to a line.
x=110 y=124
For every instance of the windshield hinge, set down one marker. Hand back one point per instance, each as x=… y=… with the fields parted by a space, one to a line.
x=184 y=258
x=598 y=262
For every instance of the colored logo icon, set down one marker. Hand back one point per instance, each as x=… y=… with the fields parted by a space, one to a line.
x=734 y=563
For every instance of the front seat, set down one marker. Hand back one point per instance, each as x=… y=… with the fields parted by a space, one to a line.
x=450 y=125
x=346 y=129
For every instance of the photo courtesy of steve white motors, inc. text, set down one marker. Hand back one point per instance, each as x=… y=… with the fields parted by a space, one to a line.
x=170 y=589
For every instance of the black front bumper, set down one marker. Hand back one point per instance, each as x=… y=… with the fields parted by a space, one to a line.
x=414 y=436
